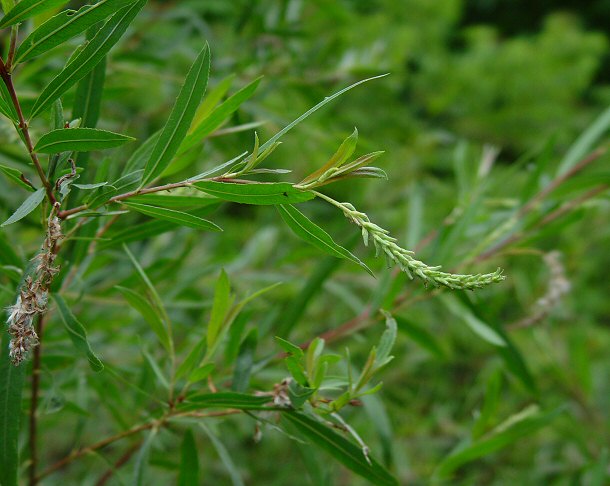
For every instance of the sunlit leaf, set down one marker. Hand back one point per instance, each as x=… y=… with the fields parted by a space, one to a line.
x=180 y=118
x=79 y=140
x=313 y=234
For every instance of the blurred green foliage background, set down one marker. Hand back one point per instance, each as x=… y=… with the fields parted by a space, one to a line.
x=483 y=101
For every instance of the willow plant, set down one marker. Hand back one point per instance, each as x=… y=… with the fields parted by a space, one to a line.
x=70 y=192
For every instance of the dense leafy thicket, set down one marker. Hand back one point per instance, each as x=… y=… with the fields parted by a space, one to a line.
x=172 y=352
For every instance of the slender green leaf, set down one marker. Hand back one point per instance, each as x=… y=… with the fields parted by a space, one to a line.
x=309 y=112
x=89 y=57
x=584 y=144
x=141 y=463
x=179 y=217
x=154 y=295
x=260 y=193
x=193 y=359
x=11 y=385
x=79 y=140
x=340 y=448
x=225 y=457
x=218 y=116
x=316 y=236
x=156 y=368
x=212 y=98
x=244 y=362
x=6 y=104
x=515 y=363
x=220 y=308
x=180 y=118
x=149 y=229
x=26 y=9
x=189 y=462
x=90 y=187
x=77 y=333
x=523 y=424
x=388 y=338
x=290 y=348
x=201 y=373
x=31 y=203
x=343 y=153
x=480 y=328
x=15 y=175
x=64 y=26
x=240 y=401
x=150 y=314
x=490 y=405
x=7 y=5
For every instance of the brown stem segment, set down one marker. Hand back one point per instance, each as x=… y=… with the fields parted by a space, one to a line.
x=147 y=190
x=119 y=463
x=34 y=403
x=23 y=127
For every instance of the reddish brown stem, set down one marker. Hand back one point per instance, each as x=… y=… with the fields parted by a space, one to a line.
x=36 y=360
x=23 y=127
x=121 y=461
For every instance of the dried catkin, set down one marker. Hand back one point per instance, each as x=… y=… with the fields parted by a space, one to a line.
x=33 y=296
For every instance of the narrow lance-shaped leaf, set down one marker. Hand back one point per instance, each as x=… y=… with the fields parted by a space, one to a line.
x=258 y=193
x=31 y=203
x=178 y=217
x=524 y=423
x=141 y=463
x=482 y=329
x=83 y=62
x=150 y=314
x=26 y=9
x=343 y=153
x=218 y=116
x=79 y=140
x=8 y=108
x=313 y=234
x=65 y=25
x=189 y=462
x=340 y=448
x=7 y=5
x=154 y=295
x=180 y=118
x=312 y=110
x=222 y=303
x=16 y=176
x=77 y=333
x=88 y=101
x=240 y=401
x=225 y=457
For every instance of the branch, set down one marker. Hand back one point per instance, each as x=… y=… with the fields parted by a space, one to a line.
x=23 y=127
x=34 y=403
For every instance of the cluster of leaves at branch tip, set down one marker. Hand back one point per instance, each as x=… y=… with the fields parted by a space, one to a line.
x=309 y=370
x=336 y=169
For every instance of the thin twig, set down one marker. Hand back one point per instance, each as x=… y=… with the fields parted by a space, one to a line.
x=119 y=463
x=23 y=127
x=12 y=48
x=148 y=190
x=34 y=403
x=94 y=447
x=127 y=433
